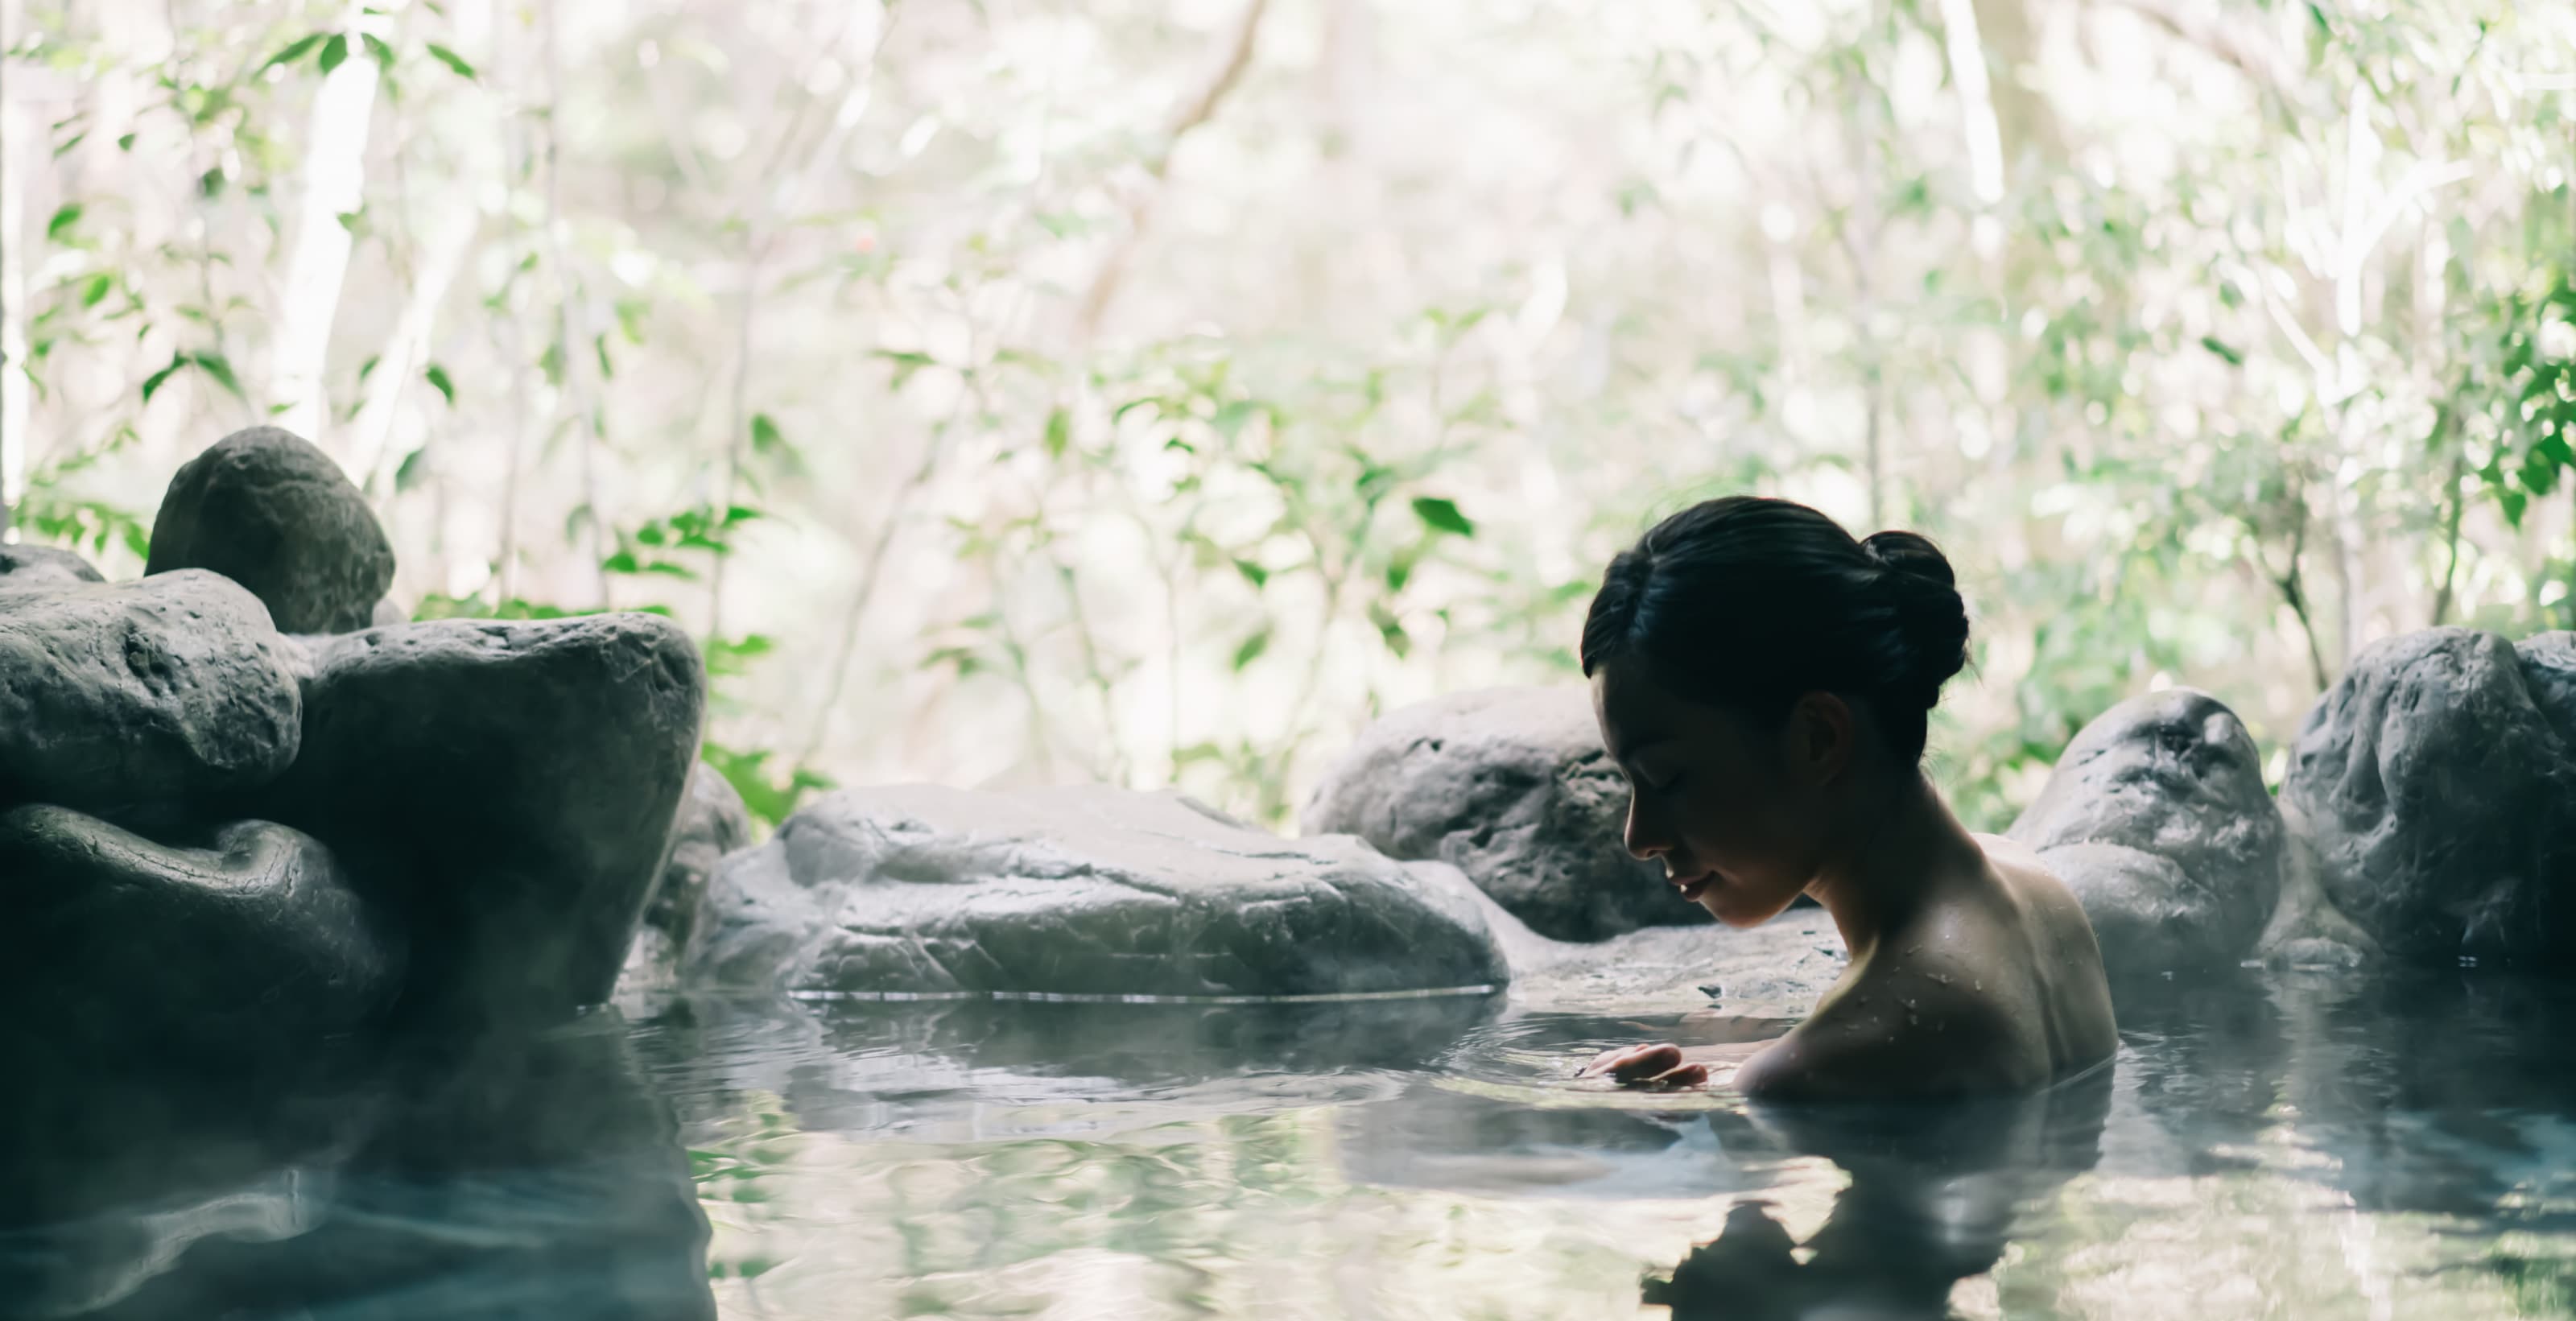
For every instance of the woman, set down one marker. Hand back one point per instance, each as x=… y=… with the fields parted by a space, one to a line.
x=1764 y=680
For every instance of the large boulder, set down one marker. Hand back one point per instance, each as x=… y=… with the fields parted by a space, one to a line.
x=268 y=510
x=242 y=947
x=503 y=791
x=1090 y=890
x=150 y=693
x=2158 y=819
x=43 y=566
x=2438 y=780
x=1512 y=787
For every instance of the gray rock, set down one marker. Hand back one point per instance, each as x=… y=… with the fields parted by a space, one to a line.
x=1781 y=967
x=43 y=566
x=2308 y=933
x=1512 y=787
x=268 y=510
x=2439 y=781
x=241 y=947
x=1082 y=890
x=387 y=614
x=503 y=790
x=713 y=824
x=2158 y=819
x=167 y=690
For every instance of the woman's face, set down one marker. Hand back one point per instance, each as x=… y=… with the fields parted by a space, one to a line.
x=1734 y=811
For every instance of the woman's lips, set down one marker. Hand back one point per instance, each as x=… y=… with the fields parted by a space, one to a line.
x=1692 y=887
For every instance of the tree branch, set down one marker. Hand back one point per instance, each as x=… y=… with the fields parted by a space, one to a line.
x=1188 y=116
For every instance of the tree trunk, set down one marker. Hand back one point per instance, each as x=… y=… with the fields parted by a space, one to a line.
x=335 y=177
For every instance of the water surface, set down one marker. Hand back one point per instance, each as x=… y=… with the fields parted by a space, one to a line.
x=2292 y=1149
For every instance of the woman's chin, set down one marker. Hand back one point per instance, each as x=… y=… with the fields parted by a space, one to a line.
x=1735 y=908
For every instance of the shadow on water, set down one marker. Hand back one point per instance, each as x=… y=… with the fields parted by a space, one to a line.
x=1935 y=1194
x=533 y=1178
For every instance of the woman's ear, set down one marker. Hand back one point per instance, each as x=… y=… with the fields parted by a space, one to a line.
x=1823 y=731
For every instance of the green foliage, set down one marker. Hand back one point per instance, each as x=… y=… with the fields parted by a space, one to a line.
x=976 y=440
x=768 y=798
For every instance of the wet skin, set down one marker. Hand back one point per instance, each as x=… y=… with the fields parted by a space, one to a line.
x=1972 y=969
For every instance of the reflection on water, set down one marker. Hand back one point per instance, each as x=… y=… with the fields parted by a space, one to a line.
x=2288 y=1150
x=1935 y=1193
x=538 y=1178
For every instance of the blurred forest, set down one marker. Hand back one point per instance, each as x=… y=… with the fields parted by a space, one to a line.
x=1014 y=391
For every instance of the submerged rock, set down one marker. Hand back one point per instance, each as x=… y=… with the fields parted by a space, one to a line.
x=1082 y=890
x=2438 y=779
x=158 y=692
x=503 y=791
x=243 y=947
x=2158 y=819
x=43 y=566
x=1512 y=787
x=266 y=509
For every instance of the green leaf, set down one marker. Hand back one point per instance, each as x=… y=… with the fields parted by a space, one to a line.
x=154 y=382
x=295 y=50
x=94 y=290
x=1442 y=516
x=214 y=365
x=335 y=52
x=125 y=143
x=2220 y=347
x=1229 y=420
x=762 y=795
x=408 y=471
x=906 y=362
x=1253 y=573
x=1252 y=648
x=438 y=380
x=65 y=217
x=1390 y=629
x=766 y=438
x=451 y=59
x=1059 y=433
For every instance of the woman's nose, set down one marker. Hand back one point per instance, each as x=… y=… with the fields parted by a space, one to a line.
x=1644 y=841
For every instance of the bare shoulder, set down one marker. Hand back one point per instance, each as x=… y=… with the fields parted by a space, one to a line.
x=2074 y=996
x=2030 y=880
x=1929 y=1021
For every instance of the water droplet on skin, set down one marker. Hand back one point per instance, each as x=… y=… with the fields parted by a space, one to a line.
x=1941 y=977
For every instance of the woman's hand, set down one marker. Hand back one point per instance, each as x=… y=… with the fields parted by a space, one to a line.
x=1658 y=1068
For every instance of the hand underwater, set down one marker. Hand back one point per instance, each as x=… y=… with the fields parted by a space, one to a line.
x=1657 y=1068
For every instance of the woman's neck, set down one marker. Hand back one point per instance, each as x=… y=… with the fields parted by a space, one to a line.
x=1894 y=833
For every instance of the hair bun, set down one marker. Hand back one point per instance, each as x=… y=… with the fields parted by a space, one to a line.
x=1910 y=552
x=1929 y=613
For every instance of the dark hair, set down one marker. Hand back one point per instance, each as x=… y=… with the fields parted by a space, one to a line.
x=1749 y=602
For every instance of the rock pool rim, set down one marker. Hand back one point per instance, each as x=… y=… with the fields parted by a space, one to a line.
x=1105 y=998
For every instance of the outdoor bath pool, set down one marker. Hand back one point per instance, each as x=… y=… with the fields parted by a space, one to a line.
x=2284 y=1147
